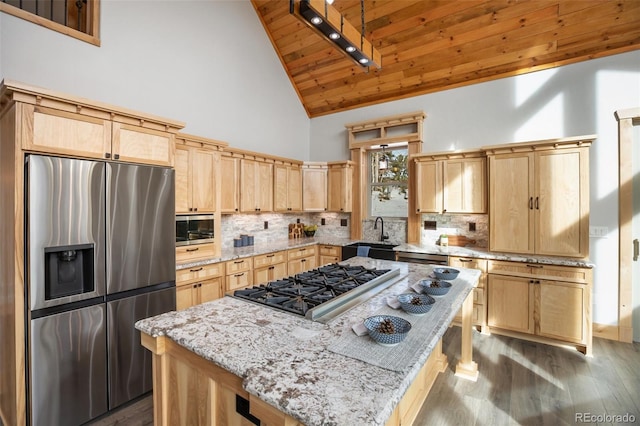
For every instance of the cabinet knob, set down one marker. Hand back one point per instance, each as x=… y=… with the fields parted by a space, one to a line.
x=117 y=156
x=196 y=270
x=107 y=155
x=537 y=203
x=418 y=210
x=195 y=209
x=193 y=249
x=530 y=203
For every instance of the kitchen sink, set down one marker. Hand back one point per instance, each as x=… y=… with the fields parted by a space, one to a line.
x=376 y=250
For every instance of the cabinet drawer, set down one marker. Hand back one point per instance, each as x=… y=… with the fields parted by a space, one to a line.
x=301 y=252
x=197 y=251
x=269 y=259
x=334 y=251
x=198 y=273
x=239 y=280
x=469 y=262
x=238 y=265
x=538 y=270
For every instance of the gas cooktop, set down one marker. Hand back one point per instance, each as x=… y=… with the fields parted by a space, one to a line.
x=321 y=294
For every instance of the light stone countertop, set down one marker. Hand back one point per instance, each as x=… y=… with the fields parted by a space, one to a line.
x=475 y=252
x=483 y=253
x=283 y=358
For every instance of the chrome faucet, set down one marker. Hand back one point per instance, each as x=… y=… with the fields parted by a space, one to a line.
x=382 y=234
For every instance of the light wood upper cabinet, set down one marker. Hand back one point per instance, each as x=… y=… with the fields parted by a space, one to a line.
x=451 y=182
x=539 y=198
x=314 y=187
x=140 y=145
x=61 y=132
x=256 y=186
x=195 y=180
x=75 y=134
x=428 y=186
x=229 y=192
x=287 y=182
x=340 y=182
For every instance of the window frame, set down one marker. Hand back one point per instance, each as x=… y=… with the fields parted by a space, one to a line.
x=92 y=35
x=370 y=184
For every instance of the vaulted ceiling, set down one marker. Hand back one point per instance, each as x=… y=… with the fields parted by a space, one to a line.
x=431 y=45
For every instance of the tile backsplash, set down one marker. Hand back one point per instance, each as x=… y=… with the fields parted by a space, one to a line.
x=456 y=224
x=278 y=226
x=395 y=228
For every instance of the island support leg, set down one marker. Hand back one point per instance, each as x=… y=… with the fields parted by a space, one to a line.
x=466 y=367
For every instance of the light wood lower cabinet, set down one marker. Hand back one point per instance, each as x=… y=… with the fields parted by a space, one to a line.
x=199 y=284
x=479 y=314
x=329 y=254
x=301 y=259
x=188 y=389
x=186 y=254
x=541 y=302
x=269 y=267
x=239 y=273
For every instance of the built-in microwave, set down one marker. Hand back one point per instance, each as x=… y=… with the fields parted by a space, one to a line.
x=194 y=229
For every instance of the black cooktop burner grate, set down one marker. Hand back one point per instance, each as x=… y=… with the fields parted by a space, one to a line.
x=304 y=291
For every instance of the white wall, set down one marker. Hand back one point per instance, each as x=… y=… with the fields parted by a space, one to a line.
x=206 y=63
x=573 y=100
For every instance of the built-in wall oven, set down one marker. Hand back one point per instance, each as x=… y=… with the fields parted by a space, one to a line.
x=194 y=229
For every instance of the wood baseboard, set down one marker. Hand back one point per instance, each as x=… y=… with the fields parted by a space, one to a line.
x=605 y=331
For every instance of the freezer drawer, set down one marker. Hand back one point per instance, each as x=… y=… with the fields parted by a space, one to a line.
x=130 y=363
x=68 y=367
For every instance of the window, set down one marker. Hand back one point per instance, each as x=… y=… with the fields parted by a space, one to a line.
x=388 y=186
x=78 y=19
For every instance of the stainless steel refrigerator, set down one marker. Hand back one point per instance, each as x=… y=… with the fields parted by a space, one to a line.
x=100 y=256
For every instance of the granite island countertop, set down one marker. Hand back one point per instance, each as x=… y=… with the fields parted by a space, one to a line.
x=285 y=360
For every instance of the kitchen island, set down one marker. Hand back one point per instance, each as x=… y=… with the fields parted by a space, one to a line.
x=216 y=360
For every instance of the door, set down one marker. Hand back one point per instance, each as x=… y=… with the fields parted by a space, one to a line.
x=129 y=362
x=429 y=186
x=68 y=367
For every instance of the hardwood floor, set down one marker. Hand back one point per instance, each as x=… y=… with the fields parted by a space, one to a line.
x=520 y=383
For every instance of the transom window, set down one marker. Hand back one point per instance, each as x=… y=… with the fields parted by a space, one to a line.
x=388 y=180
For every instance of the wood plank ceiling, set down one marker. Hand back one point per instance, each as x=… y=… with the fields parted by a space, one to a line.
x=431 y=45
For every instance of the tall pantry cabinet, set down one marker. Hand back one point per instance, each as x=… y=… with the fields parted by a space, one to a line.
x=539 y=197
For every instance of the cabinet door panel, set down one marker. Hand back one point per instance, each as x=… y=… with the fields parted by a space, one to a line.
x=210 y=290
x=429 y=186
x=557 y=203
x=140 y=145
x=248 y=196
x=203 y=181
x=281 y=188
x=510 y=303
x=511 y=203
x=314 y=190
x=184 y=296
x=264 y=185
x=230 y=175
x=183 y=189
x=464 y=185
x=59 y=132
x=561 y=310
x=295 y=189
